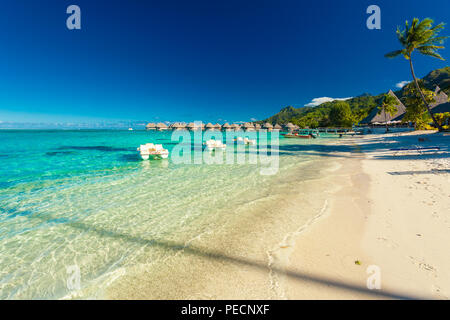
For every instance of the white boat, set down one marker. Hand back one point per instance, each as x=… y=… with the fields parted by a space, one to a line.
x=215 y=144
x=250 y=142
x=246 y=141
x=130 y=129
x=155 y=150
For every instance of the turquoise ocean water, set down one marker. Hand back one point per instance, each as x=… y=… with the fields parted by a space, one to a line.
x=85 y=198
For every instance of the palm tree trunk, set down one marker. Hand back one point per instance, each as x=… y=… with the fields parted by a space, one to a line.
x=423 y=97
x=385 y=120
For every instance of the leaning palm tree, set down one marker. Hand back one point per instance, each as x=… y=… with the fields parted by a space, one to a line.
x=389 y=106
x=420 y=35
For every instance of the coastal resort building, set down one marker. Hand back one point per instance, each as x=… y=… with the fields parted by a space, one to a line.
x=441 y=97
x=249 y=127
x=191 y=126
x=181 y=126
x=217 y=127
x=177 y=126
x=209 y=126
x=257 y=126
x=441 y=104
x=161 y=127
x=277 y=127
x=226 y=127
x=268 y=126
x=150 y=126
x=289 y=127
x=377 y=119
x=236 y=127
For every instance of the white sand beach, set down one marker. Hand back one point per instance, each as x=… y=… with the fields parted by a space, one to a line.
x=392 y=211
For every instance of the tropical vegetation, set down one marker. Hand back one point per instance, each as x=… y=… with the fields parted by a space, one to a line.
x=362 y=105
x=420 y=36
x=388 y=106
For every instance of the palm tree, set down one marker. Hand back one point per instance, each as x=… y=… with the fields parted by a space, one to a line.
x=389 y=106
x=420 y=35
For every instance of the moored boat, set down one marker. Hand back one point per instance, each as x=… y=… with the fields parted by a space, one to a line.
x=299 y=136
x=155 y=150
x=214 y=144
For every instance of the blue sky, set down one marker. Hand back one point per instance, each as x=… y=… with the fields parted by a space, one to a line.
x=197 y=60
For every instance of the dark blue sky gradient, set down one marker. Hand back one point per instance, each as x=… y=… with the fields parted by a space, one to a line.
x=197 y=60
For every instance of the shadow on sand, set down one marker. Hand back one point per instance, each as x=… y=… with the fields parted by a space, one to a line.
x=205 y=253
x=377 y=148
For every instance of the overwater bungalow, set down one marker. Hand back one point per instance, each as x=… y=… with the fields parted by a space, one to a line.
x=193 y=127
x=289 y=127
x=209 y=126
x=150 y=126
x=277 y=127
x=257 y=126
x=181 y=126
x=268 y=126
x=217 y=127
x=161 y=127
x=226 y=127
x=249 y=126
x=236 y=127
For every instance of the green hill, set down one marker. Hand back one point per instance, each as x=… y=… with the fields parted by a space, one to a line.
x=360 y=106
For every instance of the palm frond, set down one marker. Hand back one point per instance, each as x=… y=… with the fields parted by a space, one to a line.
x=421 y=36
x=429 y=52
x=394 y=54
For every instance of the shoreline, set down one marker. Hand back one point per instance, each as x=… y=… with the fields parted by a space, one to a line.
x=327 y=251
x=271 y=250
x=377 y=220
x=238 y=261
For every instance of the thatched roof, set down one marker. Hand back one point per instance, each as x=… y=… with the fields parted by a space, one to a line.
x=249 y=125
x=277 y=126
x=257 y=126
x=268 y=125
x=441 y=97
x=383 y=117
x=217 y=126
x=191 y=125
x=209 y=126
x=236 y=126
x=290 y=126
x=226 y=126
x=161 y=125
x=150 y=125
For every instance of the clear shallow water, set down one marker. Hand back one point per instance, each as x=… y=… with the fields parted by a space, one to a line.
x=85 y=198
